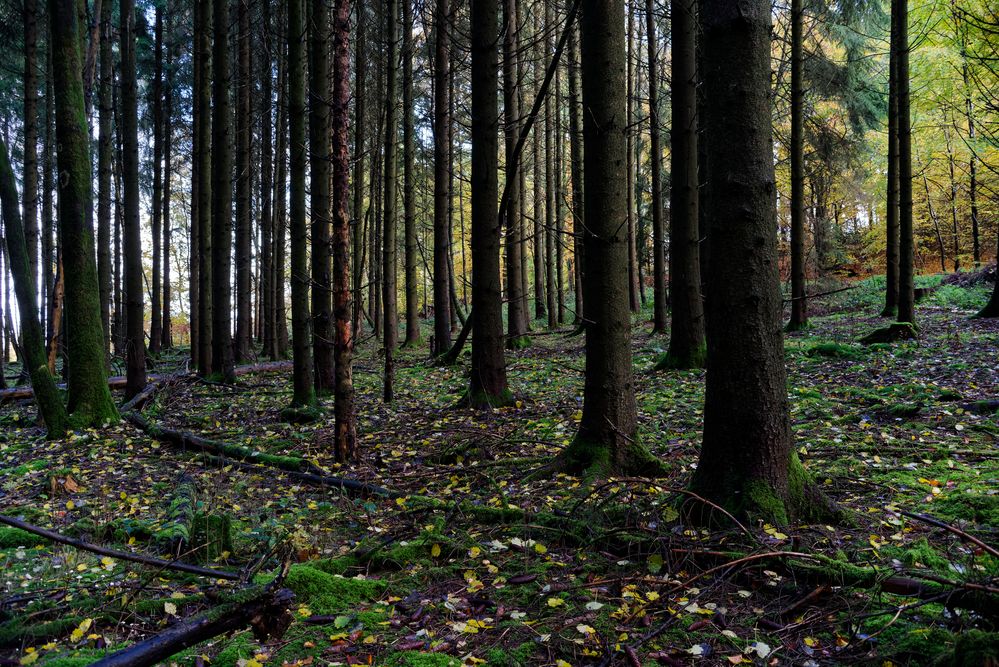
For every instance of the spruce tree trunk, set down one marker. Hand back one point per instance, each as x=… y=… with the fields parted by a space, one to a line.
x=576 y=157
x=891 y=210
x=906 y=268
x=203 y=45
x=29 y=181
x=222 y=357
x=166 y=337
x=488 y=384
x=156 y=101
x=442 y=181
x=319 y=189
x=551 y=233
x=633 y=161
x=194 y=251
x=89 y=401
x=516 y=317
x=390 y=326
x=304 y=397
x=48 y=188
x=747 y=462
x=244 y=175
x=104 y=176
x=606 y=441
x=540 y=230
x=46 y=394
x=799 y=304
x=360 y=119
x=659 y=303
x=413 y=336
x=135 y=339
x=280 y=243
x=345 y=421
x=686 y=343
x=269 y=327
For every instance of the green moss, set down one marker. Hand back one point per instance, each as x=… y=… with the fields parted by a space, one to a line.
x=518 y=342
x=919 y=554
x=835 y=350
x=242 y=647
x=976 y=648
x=417 y=659
x=302 y=414
x=904 y=409
x=520 y=656
x=211 y=535
x=673 y=361
x=80 y=658
x=15 y=537
x=974 y=507
x=327 y=593
x=480 y=400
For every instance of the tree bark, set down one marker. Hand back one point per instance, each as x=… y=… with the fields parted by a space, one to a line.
x=222 y=356
x=390 y=326
x=906 y=268
x=799 y=302
x=104 y=177
x=166 y=337
x=686 y=343
x=577 y=169
x=156 y=102
x=244 y=138
x=203 y=46
x=488 y=384
x=659 y=303
x=345 y=421
x=89 y=401
x=267 y=247
x=442 y=180
x=29 y=182
x=50 y=406
x=304 y=397
x=135 y=339
x=516 y=317
x=747 y=463
x=413 y=336
x=319 y=190
x=891 y=207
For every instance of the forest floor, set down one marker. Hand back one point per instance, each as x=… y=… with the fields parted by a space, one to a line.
x=472 y=564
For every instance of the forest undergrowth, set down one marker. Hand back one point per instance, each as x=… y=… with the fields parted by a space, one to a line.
x=462 y=561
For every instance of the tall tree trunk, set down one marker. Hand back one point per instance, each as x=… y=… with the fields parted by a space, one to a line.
x=267 y=249
x=413 y=336
x=104 y=177
x=50 y=406
x=156 y=102
x=135 y=339
x=906 y=268
x=222 y=357
x=244 y=175
x=577 y=170
x=319 y=162
x=799 y=304
x=89 y=398
x=390 y=327
x=633 y=288
x=605 y=443
x=29 y=182
x=541 y=232
x=281 y=209
x=891 y=206
x=552 y=235
x=442 y=180
x=304 y=397
x=747 y=461
x=345 y=422
x=194 y=246
x=488 y=384
x=659 y=303
x=360 y=119
x=686 y=343
x=516 y=317
x=953 y=199
x=166 y=337
x=203 y=45
x=47 y=205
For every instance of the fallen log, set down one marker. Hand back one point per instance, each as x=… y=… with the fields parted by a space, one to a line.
x=266 y=613
x=118 y=381
x=119 y=555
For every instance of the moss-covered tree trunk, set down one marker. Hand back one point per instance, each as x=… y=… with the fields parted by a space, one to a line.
x=747 y=462
x=319 y=192
x=442 y=180
x=89 y=397
x=222 y=357
x=906 y=266
x=686 y=342
x=659 y=296
x=488 y=384
x=304 y=397
x=799 y=303
x=50 y=406
x=606 y=441
x=135 y=338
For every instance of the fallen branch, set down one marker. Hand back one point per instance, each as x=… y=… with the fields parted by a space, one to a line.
x=266 y=613
x=957 y=531
x=119 y=555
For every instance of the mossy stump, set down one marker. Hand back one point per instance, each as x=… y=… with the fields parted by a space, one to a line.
x=894 y=332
